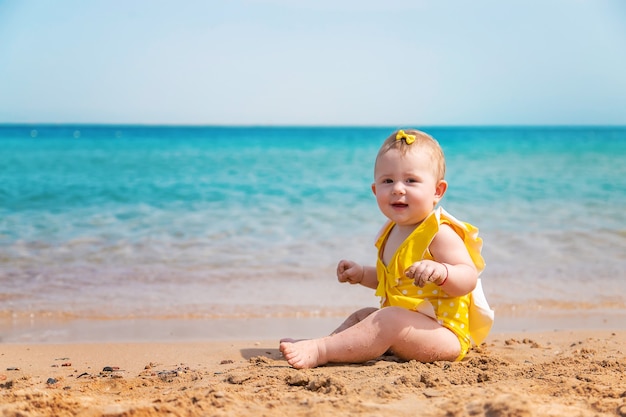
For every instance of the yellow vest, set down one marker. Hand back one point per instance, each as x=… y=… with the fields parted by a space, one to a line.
x=467 y=316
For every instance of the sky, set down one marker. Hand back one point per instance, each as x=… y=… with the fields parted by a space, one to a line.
x=324 y=62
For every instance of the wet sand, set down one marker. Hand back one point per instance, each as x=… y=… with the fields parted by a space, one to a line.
x=50 y=329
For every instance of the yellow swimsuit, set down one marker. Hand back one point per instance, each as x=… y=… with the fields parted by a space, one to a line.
x=468 y=316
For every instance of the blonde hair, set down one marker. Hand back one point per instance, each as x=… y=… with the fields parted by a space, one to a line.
x=422 y=142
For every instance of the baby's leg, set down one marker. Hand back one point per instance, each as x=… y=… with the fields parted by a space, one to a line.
x=355 y=318
x=411 y=335
x=352 y=319
x=303 y=354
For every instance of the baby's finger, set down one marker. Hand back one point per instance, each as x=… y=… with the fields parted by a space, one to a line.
x=411 y=271
x=342 y=267
x=417 y=280
x=423 y=278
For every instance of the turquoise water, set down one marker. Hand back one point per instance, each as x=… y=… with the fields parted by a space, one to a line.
x=123 y=221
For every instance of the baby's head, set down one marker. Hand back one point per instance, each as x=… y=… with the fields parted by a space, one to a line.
x=412 y=140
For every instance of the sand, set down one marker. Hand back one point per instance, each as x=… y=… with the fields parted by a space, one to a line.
x=548 y=373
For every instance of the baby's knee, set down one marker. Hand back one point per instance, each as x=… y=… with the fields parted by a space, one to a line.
x=364 y=312
x=391 y=311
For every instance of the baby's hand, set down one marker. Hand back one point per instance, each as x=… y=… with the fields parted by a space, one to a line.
x=427 y=271
x=348 y=271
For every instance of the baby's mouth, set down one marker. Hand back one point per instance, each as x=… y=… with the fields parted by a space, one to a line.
x=399 y=205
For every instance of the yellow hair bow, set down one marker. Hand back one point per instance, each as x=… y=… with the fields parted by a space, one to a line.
x=409 y=139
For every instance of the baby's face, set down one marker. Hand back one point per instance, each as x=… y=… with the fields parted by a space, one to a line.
x=406 y=186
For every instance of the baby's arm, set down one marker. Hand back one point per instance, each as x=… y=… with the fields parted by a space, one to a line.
x=354 y=273
x=453 y=268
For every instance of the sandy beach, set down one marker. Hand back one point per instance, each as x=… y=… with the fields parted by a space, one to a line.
x=547 y=373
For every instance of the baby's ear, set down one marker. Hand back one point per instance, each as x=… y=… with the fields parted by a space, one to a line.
x=374 y=188
x=440 y=190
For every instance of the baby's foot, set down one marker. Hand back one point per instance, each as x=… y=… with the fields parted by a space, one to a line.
x=303 y=354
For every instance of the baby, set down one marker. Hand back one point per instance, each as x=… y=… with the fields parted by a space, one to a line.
x=426 y=273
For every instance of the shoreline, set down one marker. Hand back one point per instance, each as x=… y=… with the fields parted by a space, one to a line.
x=42 y=330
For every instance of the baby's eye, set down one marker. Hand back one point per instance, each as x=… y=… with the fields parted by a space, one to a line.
x=387 y=181
x=411 y=180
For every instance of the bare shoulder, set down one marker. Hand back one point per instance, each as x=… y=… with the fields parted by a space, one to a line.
x=446 y=234
x=448 y=246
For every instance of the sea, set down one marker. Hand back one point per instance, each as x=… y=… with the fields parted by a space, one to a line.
x=107 y=229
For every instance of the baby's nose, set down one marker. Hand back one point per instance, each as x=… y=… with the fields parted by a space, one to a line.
x=398 y=188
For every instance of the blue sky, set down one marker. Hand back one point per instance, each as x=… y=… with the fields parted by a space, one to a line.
x=326 y=62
